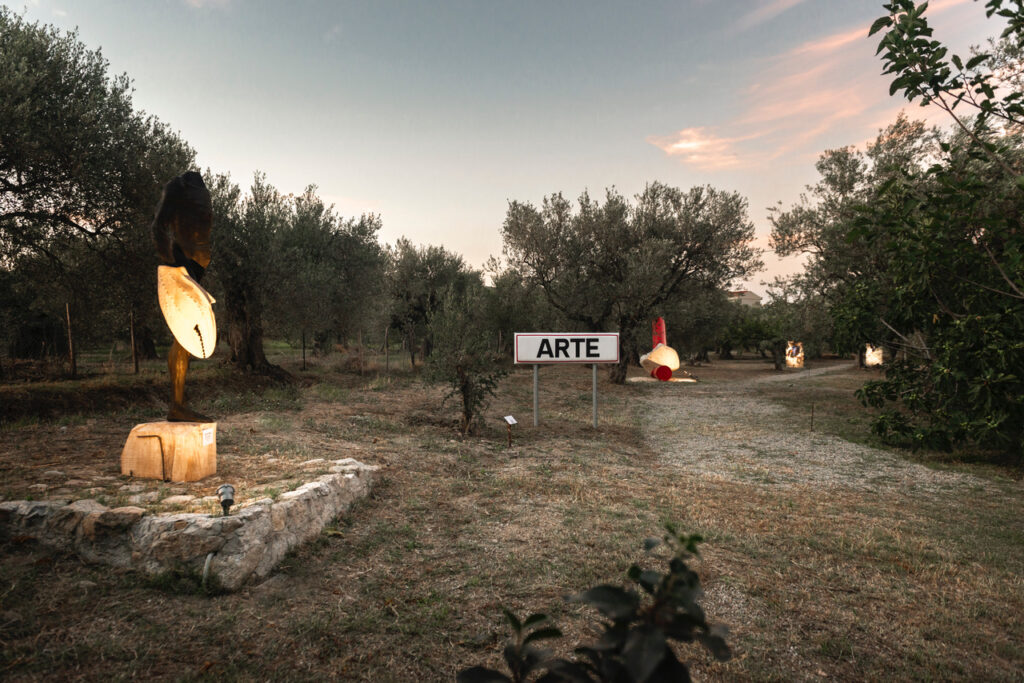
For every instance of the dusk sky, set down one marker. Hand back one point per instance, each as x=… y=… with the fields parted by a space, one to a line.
x=436 y=114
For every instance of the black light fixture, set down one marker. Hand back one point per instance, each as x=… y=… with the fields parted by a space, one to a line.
x=226 y=492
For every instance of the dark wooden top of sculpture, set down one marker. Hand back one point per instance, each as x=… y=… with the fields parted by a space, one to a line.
x=181 y=228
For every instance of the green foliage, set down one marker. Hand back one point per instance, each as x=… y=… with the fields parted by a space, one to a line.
x=290 y=263
x=924 y=69
x=955 y=241
x=515 y=304
x=464 y=356
x=951 y=242
x=419 y=277
x=638 y=627
x=333 y=272
x=612 y=265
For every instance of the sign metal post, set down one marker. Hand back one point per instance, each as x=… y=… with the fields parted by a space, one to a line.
x=536 y=401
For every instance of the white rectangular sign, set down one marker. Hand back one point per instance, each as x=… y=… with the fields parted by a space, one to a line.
x=567 y=347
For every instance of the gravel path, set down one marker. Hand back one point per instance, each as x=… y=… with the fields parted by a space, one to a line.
x=724 y=431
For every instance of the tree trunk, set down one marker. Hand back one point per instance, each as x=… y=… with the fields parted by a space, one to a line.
x=619 y=371
x=245 y=335
x=71 y=344
x=135 y=347
x=779 y=353
x=145 y=342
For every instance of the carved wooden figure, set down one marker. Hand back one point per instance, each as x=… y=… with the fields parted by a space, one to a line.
x=181 y=230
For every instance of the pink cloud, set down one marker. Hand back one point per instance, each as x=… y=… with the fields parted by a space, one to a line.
x=765 y=13
x=795 y=98
x=830 y=43
x=702 y=148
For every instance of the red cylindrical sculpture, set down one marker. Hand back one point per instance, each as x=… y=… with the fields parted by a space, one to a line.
x=662 y=373
x=658 y=336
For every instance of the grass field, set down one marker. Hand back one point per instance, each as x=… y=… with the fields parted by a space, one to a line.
x=827 y=556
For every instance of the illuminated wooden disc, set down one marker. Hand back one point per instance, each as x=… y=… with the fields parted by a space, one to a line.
x=187 y=309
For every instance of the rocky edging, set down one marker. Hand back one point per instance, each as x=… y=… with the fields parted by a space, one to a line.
x=243 y=546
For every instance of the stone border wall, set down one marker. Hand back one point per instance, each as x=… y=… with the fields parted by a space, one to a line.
x=245 y=545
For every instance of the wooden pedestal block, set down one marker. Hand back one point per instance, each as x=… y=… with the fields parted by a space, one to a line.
x=171 y=451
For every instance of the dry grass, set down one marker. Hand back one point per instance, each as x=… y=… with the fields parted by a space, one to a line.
x=827 y=559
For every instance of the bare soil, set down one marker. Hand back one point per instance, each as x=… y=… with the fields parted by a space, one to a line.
x=827 y=556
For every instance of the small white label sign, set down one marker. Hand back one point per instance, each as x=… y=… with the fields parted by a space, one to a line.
x=567 y=347
x=511 y=420
x=207 y=437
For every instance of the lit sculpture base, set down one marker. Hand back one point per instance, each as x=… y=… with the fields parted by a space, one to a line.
x=171 y=451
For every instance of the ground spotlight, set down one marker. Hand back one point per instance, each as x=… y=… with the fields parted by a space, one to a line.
x=226 y=492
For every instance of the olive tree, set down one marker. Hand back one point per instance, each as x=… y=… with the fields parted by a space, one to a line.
x=612 y=265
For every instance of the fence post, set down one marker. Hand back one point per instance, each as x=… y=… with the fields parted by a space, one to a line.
x=71 y=344
x=131 y=331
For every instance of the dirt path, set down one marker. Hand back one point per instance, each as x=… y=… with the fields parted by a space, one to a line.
x=731 y=432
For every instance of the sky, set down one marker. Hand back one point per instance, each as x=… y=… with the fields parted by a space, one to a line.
x=436 y=114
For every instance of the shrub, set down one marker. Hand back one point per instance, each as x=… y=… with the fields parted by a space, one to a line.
x=462 y=355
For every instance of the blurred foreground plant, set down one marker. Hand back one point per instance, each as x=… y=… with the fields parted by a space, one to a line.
x=638 y=627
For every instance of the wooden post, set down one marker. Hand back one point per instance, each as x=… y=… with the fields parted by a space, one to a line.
x=594 y=365
x=387 y=351
x=71 y=344
x=359 y=340
x=131 y=332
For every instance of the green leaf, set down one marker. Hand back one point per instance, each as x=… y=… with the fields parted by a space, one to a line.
x=479 y=674
x=543 y=634
x=715 y=643
x=534 y=619
x=976 y=60
x=643 y=651
x=512 y=620
x=611 y=601
x=1020 y=181
x=650 y=579
x=562 y=671
x=880 y=23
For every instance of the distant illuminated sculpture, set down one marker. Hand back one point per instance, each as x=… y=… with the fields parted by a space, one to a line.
x=795 y=355
x=662 y=360
x=873 y=356
x=181 y=231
